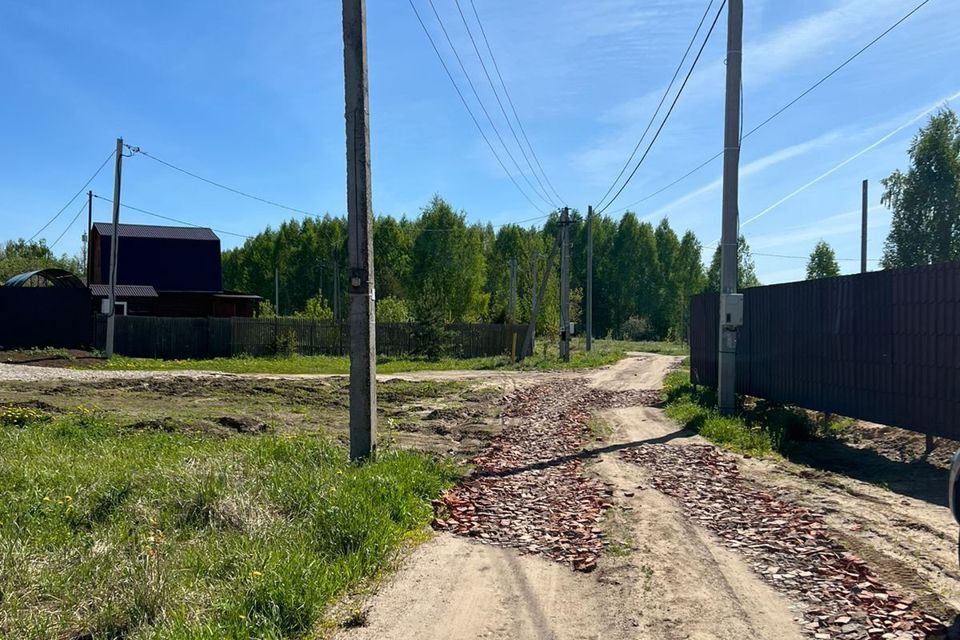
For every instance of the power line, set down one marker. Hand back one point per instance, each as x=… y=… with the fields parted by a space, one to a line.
x=513 y=107
x=503 y=109
x=663 y=99
x=779 y=255
x=844 y=163
x=59 y=237
x=473 y=117
x=168 y=218
x=784 y=108
x=483 y=107
x=76 y=195
x=669 y=111
x=138 y=150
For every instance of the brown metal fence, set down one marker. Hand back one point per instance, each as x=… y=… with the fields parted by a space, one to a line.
x=881 y=346
x=152 y=337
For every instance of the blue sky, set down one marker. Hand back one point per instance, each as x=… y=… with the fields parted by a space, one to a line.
x=251 y=94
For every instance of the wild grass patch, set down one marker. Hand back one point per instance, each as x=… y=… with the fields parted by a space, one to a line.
x=604 y=352
x=108 y=532
x=756 y=428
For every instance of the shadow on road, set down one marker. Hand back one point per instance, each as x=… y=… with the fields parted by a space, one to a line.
x=583 y=455
x=916 y=478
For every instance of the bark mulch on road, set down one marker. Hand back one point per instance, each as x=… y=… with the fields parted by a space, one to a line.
x=790 y=547
x=528 y=489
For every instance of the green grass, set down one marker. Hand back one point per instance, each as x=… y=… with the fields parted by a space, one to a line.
x=108 y=532
x=759 y=429
x=605 y=352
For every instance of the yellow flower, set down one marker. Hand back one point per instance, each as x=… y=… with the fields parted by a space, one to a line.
x=256 y=574
x=68 y=498
x=46 y=498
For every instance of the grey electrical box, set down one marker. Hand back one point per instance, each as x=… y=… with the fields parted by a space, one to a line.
x=572 y=328
x=731 y=309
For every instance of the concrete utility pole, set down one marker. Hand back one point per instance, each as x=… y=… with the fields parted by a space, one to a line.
x=863 y=227
x=589 y=328
x=88 y=253
x=731 y=303
x=565 y=286
x=512 y=304
x=114 y=241
x=363 y=323
x=538 y=296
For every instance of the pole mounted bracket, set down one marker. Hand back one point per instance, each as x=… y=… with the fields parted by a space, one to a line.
x=359 y=281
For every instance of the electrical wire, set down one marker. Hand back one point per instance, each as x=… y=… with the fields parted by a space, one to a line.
x=666 y=118
x=483 y=107
x=503 y=110
x=138 y=150
x=60 y=237
x=76 y=195
x=663 y=99
x=473 y=117
x=784 y=108
x=513 y=107
x=779 y=255
x=169 y=219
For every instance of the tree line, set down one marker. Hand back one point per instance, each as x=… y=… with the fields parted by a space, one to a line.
x=441 y=266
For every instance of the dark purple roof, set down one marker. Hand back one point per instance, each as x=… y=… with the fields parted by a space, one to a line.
x=124 y=291
x=156 y=231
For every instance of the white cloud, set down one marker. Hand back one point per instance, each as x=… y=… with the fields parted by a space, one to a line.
x=752 y=168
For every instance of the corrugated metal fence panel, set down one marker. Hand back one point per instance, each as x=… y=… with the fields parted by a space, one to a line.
x=704 y=334
x=151 y=337
x=881 y=346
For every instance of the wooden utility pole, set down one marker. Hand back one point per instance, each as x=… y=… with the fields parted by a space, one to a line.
x=538 y=296
x=863 y=226
x=114 y=241
x=363 y=323
x=565 y=285
x=89 y=249
x=589 y=327
x=730 y=317
x=512 y=304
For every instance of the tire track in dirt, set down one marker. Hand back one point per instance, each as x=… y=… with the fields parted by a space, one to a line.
x=790 y=547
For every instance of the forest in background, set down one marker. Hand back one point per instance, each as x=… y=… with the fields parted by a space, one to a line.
x=439 y=267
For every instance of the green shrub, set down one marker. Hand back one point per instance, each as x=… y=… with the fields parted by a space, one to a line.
x=284 y=344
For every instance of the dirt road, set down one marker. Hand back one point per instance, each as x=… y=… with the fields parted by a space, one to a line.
x=665 y=578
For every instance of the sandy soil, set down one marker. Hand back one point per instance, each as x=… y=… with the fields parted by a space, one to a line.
x=668 y=579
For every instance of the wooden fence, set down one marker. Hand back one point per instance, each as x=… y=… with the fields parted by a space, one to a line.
x=881 y=346
x=168 y=338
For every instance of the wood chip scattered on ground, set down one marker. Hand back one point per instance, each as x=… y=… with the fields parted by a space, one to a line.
x=528 y=489
x=788 y=546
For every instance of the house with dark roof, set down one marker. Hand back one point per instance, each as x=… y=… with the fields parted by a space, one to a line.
x=163 y=271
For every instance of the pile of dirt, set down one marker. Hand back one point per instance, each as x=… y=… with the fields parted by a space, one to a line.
x=528 y=489
x=51 y=358
x=243 y=424
x=788 y=546
x=222 y=426
x=900 y=445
